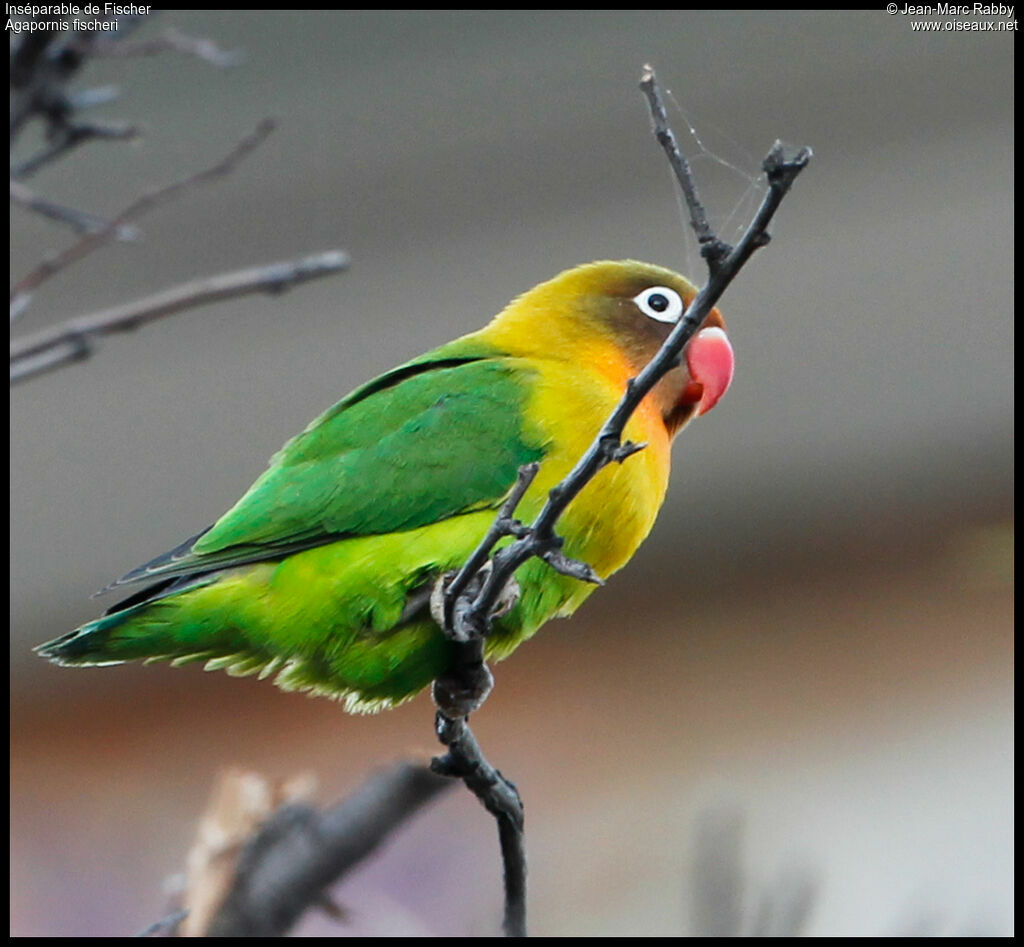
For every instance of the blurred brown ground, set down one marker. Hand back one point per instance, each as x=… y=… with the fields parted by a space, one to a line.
x=819 y=630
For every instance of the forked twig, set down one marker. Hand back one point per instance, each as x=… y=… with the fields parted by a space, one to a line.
x=97 y=238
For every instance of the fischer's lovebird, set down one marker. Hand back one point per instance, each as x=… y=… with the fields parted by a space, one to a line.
x=321 y=573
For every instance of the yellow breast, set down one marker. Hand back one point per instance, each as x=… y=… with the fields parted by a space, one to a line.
x=614 y=513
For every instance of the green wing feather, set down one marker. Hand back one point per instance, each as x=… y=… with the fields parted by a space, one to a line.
x=436 y=437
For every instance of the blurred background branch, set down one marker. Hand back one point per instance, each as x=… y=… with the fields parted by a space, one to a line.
x=96 y=237
x=74 y=339
x=264 y=855
x=43 y=62
x=48 y=54
x=78 y=220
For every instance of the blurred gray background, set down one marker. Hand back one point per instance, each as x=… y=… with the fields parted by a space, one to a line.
x=819 y=627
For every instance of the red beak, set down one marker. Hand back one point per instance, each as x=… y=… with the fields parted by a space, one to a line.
x=710 y=361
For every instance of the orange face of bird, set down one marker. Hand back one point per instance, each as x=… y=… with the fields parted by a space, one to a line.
x=696 y=386
x=638 y=306
x=614 y=316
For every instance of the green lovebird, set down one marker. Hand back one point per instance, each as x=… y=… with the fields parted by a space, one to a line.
x=321 y=573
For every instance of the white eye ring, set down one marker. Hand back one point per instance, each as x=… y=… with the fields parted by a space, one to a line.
x=661 y=303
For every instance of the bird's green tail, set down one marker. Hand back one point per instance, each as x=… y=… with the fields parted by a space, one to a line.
x=95 y=643
x=238 y=622
x=127 y=633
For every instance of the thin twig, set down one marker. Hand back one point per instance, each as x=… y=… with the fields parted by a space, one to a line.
x=173 y=40
x=71 y=136
x=503 y=525
x=471 y=600
x=300 y=851
x=92 y=241
x=73 y=340
x=78 y=220
x=711 y=247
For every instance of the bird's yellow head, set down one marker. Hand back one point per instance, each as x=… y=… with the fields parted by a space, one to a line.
x=614 y=316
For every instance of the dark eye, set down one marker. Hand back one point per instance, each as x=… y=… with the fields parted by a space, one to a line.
x=661 y=303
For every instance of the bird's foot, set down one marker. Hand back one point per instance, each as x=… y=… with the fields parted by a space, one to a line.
x=506 y=601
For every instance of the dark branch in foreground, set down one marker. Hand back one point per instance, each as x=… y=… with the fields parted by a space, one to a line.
x=299 y=851
x=465 y=760
x=75 y=339
x=539 y=538
x=480 y=591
